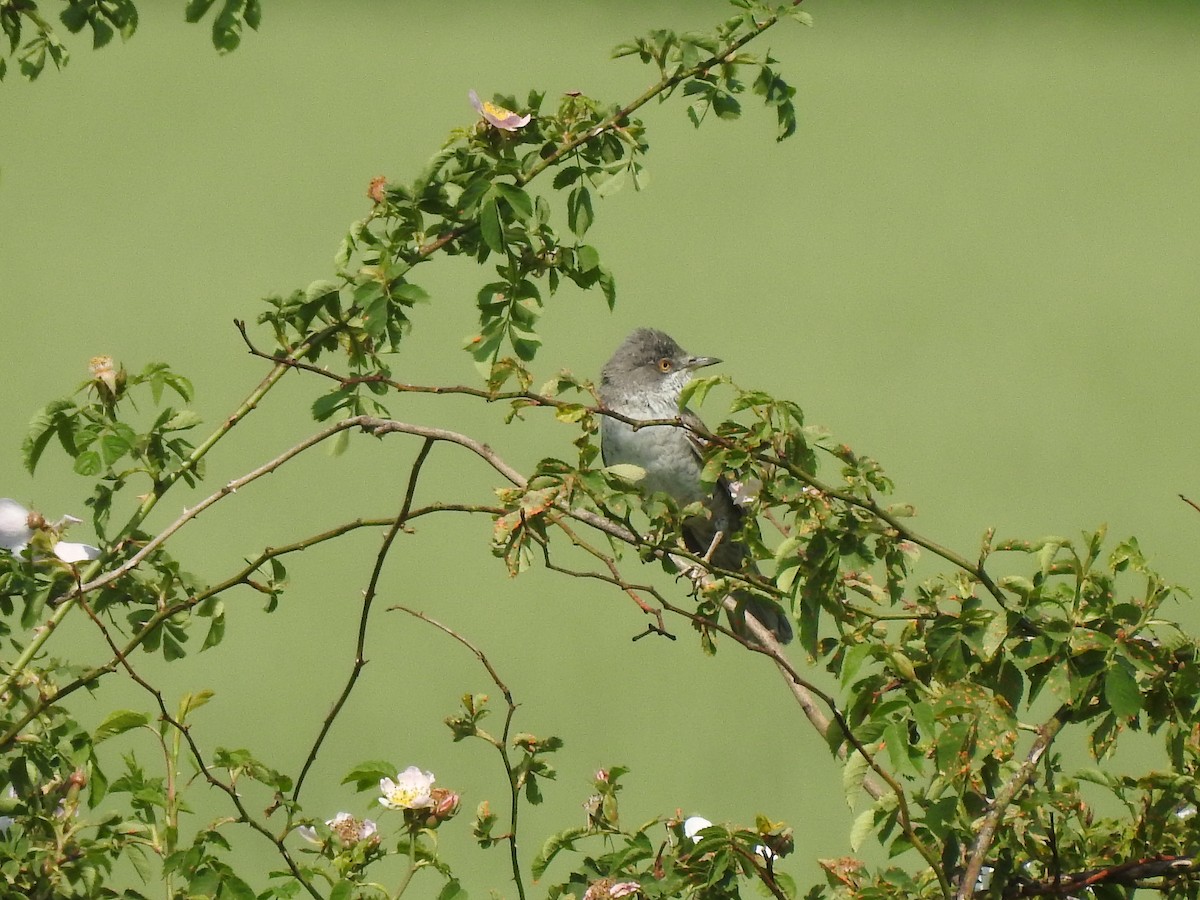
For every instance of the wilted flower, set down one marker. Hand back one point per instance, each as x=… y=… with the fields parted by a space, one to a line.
x=347 y=829
x=350 y=830
x=103 y=371
x=410 y=790
x=376 y=189
x=606 y=888
x=18 y=525
x=498 y=116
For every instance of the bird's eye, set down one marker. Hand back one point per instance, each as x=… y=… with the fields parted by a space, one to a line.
x=665 y=364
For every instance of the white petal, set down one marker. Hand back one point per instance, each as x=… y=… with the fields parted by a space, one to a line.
x=695 y=824
x=15 y=532
x=70 y=552
x=309 y=834
x=764 y=851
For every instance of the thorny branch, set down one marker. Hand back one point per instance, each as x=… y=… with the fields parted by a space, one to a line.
x=1004 y=797
x=501 y=744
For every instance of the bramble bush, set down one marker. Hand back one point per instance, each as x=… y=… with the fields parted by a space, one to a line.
x=951 y=690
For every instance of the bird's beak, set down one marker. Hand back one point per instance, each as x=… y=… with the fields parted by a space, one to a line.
x=699 y=362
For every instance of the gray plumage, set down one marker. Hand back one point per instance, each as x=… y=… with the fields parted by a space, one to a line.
x=643 y=380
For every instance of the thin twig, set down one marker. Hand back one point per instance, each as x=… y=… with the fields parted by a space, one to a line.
x=198 y=757
x=368 y=598
x=92 y=675
x=501 y=745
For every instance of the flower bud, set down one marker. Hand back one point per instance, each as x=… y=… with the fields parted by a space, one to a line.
x=443 y=807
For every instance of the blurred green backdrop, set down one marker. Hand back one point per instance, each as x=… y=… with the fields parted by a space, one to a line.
x=976 y=261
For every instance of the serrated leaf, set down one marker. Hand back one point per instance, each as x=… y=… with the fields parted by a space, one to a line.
x=853 y=774
x=189 y=703
x=119 y=722
x=1121 y=691
x=517 y=200
x=182 y=420
x=195 y=9
x=861 y=828
x=587 y=257
x=366 y=775
x=234 y=888
x=566 y=177
x=490 y=226
x=552 y=846
x=579 y=210
x=319 y=289
x=87 y=463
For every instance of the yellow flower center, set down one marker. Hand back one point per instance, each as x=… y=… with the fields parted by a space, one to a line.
x=498 y=111
x=403 y=796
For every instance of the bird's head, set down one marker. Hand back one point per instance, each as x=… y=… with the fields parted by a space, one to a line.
x=650 y=361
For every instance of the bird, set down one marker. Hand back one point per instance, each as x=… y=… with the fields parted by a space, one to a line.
x=643 y=380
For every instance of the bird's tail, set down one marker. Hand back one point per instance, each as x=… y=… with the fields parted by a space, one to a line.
x=768 y=613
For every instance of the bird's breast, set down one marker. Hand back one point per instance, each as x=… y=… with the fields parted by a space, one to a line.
x=663 y=451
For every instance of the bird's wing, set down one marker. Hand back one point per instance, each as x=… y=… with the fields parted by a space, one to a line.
x=699 y=445
x=727 y=516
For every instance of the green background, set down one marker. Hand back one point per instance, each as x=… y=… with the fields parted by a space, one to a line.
x=976 y=261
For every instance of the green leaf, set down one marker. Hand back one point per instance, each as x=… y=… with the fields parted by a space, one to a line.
x=102 y=33
x=410 y=293
x=53 y=419
x=119 y=722
x=490 y=225
x=517 y=199
x=861 y=828
x=326 y=406
x=87 y=463
x=196 y=9
x=564 y=840
x=1121 y=691
x=182 y=420
x=853 y=774
x=567 y=177
x=189 y=703
x=452 y=890
x=895 y=737
x=319 y=290
x=579 y=210
x=697 y=389
x=234 y=888
x=587 y=257
x=216 y=629
x=626 y=471
x=367 y=775
x=74 y=17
